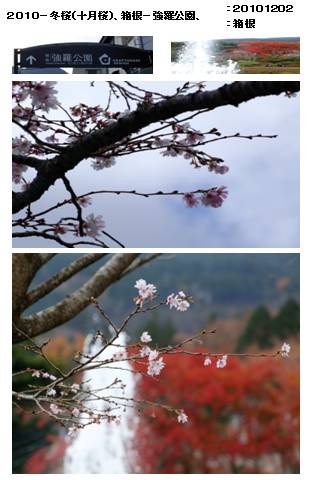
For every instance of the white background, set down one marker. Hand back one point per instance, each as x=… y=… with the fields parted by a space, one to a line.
x=212 y=24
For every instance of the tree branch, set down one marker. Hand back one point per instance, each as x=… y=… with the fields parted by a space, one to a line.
x=77 y=301
x=232 y=94
x=60 y=277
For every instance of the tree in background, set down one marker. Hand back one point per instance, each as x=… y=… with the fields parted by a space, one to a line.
x=258 y=329
x=146 y=121
x=263 y=328
x=287 y=321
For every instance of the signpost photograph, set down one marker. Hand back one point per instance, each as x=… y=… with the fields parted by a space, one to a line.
x=86 y=57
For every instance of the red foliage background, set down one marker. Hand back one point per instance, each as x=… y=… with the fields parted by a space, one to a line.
x=242 y=419
x=262 y=49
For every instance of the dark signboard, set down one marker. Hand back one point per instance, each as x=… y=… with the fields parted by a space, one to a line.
x=89 y=55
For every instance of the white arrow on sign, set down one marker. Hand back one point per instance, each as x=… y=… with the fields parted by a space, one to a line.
x=31 y=59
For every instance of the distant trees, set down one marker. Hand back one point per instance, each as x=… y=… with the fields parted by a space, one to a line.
x=262 y=327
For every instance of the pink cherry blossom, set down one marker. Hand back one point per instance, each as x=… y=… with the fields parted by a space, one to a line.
x=75 y=412
x=21 y=146
x=221 y=363
x=145 y=337
x=55 y=409
x=84 y=201
x=51 y=392
x=145 y=351
x=146 y=290
x=214 y=198
x=155 y=367
x=207 y=362
x=93 y=225
x=153 y=354
x=221 y=169
x=193 y=136
x=285 y=349
x=178 y=301
x=190 y=200
x=98 y=163
x=43 y=96
x=36 y=374
x=182 y=417
x=60 y=230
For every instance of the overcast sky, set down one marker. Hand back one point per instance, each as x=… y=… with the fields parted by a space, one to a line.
x=262 y=209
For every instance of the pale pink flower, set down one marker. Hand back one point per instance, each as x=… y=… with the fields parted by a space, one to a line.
x=145 y=337
x=43 y=96
x=207 y=362
x=171 y=152
x=75 y=412
x=21 y=146
x=52 y=377
x=46 y=375
x=182 y=417
x=75 y=387
x=17 y=172
x=84 y=201
x=55 y=409
x=153 y=354
x=285 y=349
x=193 y=136
x=221 y=363
x=146 y=290
x=182 y=305
x=145 y=351
x=98 y=163
x=36 y=374
x=155 y=367
x=190 y=200
x=221 y=169
x=93 y=225
x=214 y=198
x=161 y=142
x=51 y=392
x=60 y=230
x=178 y=301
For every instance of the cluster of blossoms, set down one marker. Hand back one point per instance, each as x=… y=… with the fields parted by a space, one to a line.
x=98 y=163
x=93 y=226
x=146 y=291
x=221 y=362
x=212 y=198
x=40 y=374
x=178 y=301
x=42 y=94
x=155 y=363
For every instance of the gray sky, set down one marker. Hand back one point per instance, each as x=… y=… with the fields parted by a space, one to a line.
x=262 y=209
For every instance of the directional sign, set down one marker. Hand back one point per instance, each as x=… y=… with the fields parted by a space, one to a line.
x=91 y=55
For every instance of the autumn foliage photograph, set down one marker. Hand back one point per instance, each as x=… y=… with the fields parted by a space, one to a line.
x=156 y=363
x=243 y=55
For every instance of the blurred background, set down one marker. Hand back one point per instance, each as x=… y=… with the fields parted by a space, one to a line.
x=242 y=419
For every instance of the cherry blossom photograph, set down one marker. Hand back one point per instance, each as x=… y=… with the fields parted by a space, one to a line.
x=155 y=164
x=131 y=363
